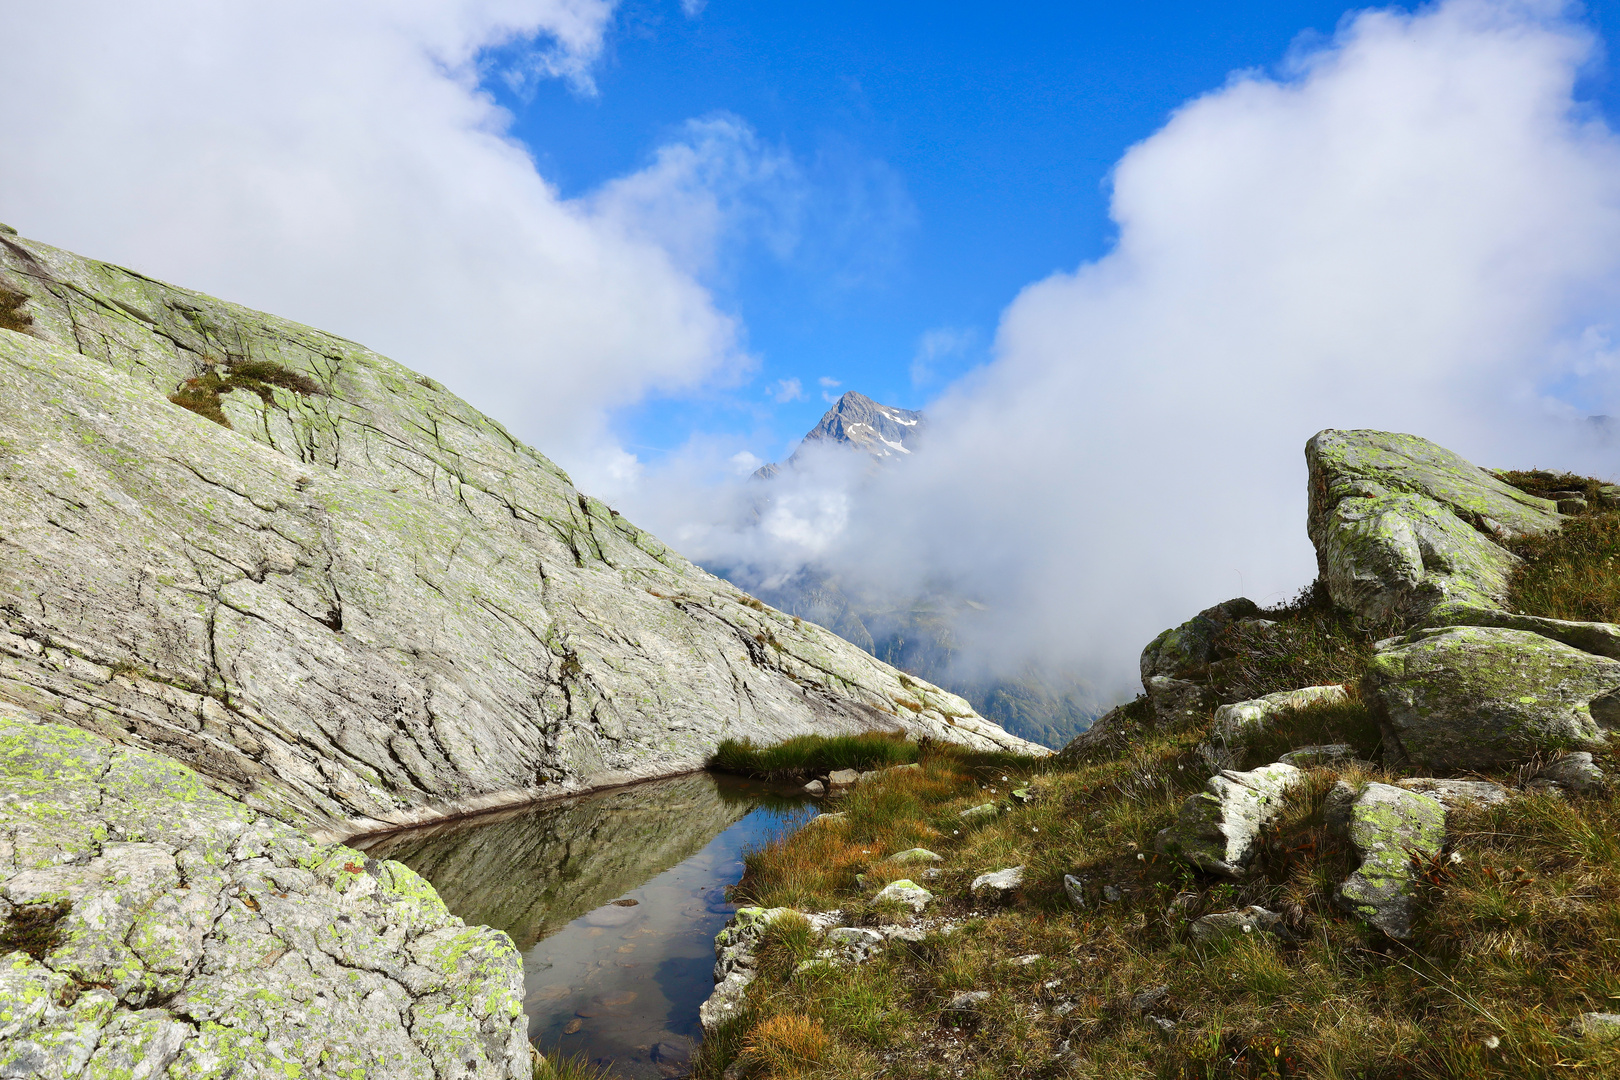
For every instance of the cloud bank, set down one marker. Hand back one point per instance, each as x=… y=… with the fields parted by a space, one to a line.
x=1413 y=225
x=338 y=164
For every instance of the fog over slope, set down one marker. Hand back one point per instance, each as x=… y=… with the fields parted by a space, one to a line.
x=1414 y=226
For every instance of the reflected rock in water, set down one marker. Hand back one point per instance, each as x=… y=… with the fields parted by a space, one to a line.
x=530 y=871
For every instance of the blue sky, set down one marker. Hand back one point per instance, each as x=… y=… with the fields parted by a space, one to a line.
x=952 y=154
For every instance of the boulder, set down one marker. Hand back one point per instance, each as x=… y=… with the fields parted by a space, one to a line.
x=1244 y=720
x=827 y=819
x=1402 y=525
x=1218 y=829
x=1221 y=923
x=1389 y=826
x=815 y=787
x=1593 y=637
x=1476 y=697
x=842 y=777
x=1000 y=885
x=734 y=948
x=194 y=929
x=1175 y=666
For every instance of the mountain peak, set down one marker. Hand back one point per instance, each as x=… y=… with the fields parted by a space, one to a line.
x=856 y=421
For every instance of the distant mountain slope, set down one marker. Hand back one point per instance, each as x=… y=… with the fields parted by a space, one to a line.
x=345 y=595
x=917 y=634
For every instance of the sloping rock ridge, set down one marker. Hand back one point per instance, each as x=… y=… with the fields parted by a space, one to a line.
x=361 y=602
x=179 y=933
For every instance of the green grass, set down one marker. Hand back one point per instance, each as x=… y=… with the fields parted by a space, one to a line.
x=1542 y=483
x=1571 y=574
x=554 y=1066
x=813 y=755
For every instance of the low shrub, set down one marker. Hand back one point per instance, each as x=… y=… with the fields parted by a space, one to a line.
x=1571 y=574
x=202 y=395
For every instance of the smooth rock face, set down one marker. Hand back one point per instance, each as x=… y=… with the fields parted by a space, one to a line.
x=362 y=604
x=1477 y=697
x=1388 y=826
x=1218 y=829
x=1402 y=525
x=1243 y=720
x=207 y=938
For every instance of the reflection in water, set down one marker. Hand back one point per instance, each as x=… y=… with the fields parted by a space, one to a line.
x=620 y=981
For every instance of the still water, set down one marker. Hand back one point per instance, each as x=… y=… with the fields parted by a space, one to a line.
x=620 y=982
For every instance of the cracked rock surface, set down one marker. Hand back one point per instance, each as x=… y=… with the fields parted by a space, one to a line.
x=1218 y=829
x=363 y=602
x=1389 y=828
x=195 y=937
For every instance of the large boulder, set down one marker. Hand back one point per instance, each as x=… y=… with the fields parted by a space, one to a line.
x=1218 y=829
x=1389 y=828
x=1476 y=697
x=195 y=936
x=1402 y=525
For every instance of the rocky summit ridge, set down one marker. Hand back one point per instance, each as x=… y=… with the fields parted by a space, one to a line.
x=262 y=588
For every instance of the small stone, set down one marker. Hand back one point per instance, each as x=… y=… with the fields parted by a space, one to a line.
x=1112 y=894
x=855 y=935
x=915 y=855
x=1000 y=884
x=1075 y=890
x=826 y=819
x=1596 y=1027
x=1307 y=757
x=1150 y=997
x=968 y=1000
x=1021 y=795
x=1164 y=1024
x=843 y=778
x=1025 y=960
x=816 y=787
x=906 y=892
x=982 y=812
x=1221 y=923
x=1576 y=771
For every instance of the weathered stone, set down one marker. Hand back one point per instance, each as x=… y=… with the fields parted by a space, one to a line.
x=915 y=855
x=1178 y=701
x=1185 y=652
x=842 y=777
x=1457 y=794
x=734 y=948
x=1244 y=720
x=827 y=819
x=1000 y=885
x=1218 y=829
x=816 y=787
x=1329 y=754
x=1388 y=827
x=968 y=1000
x=266 y=950
x=1593 y=637
x=1402 y=525
x=982 y=812
x=363 y=602
x=1475 y=697
x=905 y=892
x=1221 y=923
x=1576 y=772
x=1075 y=890
x=1597 y=1027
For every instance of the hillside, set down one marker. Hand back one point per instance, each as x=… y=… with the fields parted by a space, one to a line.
x=1369 y=833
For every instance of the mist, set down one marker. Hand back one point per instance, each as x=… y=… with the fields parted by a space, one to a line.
x=1412 y=225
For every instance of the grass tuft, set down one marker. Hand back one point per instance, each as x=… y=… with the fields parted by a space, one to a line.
x=203 y=394
x=1571 y=574
x=813 y=755
x=555 y=1066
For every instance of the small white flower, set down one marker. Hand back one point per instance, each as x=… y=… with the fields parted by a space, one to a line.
x=1003 y=779
x=956 y=832
x=1492 y=1042
x=1247 y=928
x=1456 y=858
x=1033 y=829
x=1141 y=857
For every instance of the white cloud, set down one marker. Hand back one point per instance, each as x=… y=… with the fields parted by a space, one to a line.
x=693 y=8
x=828 y=382
x=785 y=390
x=337 y=163
x=1414 y=227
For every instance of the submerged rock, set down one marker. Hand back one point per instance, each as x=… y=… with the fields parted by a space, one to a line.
x=1476 y=697
x=1389 y=826
x=1218 y=829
